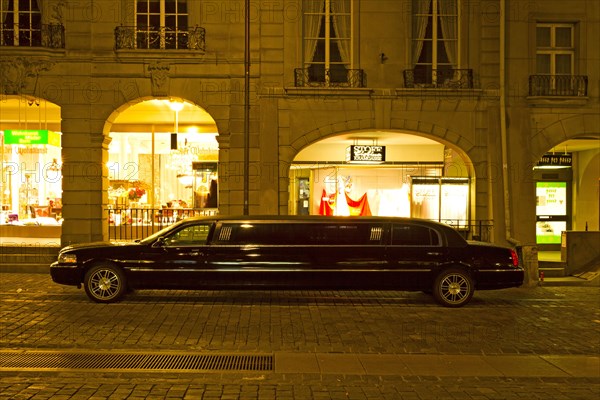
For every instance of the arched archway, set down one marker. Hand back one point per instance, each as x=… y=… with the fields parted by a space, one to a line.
x=567 y=189
x=162 y=154
x=411 y=175
x=30 y=154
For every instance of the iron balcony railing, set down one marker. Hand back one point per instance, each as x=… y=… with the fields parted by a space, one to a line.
x=480 y=230
x=351 y=78
x=163 y=37
x=137 y=223
x=51 y=36
x=449 y=78
x=558 y=85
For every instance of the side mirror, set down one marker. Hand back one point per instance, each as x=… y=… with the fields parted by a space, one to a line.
x=160 y=242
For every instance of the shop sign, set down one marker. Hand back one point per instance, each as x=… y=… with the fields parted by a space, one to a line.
x=365 y=154
x=556 y=160
x=204 y=166
x=31 y=136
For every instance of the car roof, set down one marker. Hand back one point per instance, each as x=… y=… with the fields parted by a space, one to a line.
x=317 y=218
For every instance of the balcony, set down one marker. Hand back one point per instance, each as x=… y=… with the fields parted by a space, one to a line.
x=50 y=36
x=439 y=78
x=346 y=78
x=558 y=85
x=150 y=38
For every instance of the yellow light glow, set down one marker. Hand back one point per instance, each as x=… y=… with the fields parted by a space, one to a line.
x=175 y=105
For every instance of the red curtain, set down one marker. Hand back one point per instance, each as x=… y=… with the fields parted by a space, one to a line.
x=360 y=206
x=356 y=207
x=327 y=204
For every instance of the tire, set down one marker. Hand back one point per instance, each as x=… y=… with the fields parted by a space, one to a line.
x=105 y=283
x=453 y=288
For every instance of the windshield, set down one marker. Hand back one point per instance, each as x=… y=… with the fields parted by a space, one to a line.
x=165 y=232
x=162 y=232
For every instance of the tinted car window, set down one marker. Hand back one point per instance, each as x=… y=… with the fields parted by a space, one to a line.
x=342 y=234
x=414 y=235
x=257 y=233
x=189 y=236
x=301 y=234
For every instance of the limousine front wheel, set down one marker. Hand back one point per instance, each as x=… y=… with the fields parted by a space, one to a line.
x=453 y=288
x=105 y=283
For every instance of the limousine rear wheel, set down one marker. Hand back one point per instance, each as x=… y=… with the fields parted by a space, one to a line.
x=453 y=288
x=105 y=283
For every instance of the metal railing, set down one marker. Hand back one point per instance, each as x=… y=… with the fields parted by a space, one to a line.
x=51 y=36
x=137 y=223
x=439 y=78
x=558 y=85
x=353 y=78
x=159 y=37
x=480 y=230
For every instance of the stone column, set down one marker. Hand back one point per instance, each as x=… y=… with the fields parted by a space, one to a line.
x=85 y=181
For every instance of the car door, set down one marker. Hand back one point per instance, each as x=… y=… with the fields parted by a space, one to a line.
x=177 y=260
x=347 y=254
x=415 y=251
x=256 y=254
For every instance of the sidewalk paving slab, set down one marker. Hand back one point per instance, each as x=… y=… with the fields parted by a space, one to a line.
x=588 y=366
x=462 y=365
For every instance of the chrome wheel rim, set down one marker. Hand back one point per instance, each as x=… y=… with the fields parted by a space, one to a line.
x=104 y=284
x=455 y=288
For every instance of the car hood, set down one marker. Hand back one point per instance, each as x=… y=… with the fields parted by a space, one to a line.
x=97 y=245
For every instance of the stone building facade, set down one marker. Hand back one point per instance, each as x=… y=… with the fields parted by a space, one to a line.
x=491 y=99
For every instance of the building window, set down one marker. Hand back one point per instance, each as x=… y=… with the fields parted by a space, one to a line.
x=435 y=45
x=555 y=49
x=21 y=23
x=555 y=62
x=327 y=40
x=161 y=24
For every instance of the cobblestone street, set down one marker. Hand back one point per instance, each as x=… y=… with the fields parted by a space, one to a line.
x=38 y=315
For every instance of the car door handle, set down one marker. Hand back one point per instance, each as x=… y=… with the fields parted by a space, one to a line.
x=434 y=253
x=195 y=253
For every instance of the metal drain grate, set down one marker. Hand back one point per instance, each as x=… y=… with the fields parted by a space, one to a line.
x=180 y=362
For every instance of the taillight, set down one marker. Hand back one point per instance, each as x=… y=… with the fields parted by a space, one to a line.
x=515 y=258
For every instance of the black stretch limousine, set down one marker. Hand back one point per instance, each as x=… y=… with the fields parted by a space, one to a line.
x=286 y=252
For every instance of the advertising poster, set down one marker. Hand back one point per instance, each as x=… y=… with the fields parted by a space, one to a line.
x=551 y=204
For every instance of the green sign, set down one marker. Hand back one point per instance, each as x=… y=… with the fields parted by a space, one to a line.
x=31 y=136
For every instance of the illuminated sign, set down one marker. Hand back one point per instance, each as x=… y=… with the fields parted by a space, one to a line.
x=551 y=198
x=551 y=209
x=31 y=136
x=365 y=154
x=555 y=161
x=204 y=166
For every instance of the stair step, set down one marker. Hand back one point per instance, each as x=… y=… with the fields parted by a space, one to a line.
x=25 y=268
x=553 y=272
x=28 y=255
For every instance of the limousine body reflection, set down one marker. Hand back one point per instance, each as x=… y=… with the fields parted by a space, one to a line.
x=277 y=252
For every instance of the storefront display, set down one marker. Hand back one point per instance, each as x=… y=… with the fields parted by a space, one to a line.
x=551 y=210
x=149 y=171
x=31 y=177
x=387 y=191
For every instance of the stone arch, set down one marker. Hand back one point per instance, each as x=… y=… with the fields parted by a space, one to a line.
x=128 y=104
x=425 y=129
x=471 y=164
x=571 y=127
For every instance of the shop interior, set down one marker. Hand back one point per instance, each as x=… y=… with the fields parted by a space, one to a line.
x=30 y=151
x=419 y=178
x=164 y=169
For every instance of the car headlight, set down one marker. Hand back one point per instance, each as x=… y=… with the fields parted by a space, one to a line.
x=67 y=258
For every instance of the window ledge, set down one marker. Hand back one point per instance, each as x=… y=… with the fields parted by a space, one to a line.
x=327 y=91
x=562 y=101
x=18 y=51
x=137 y=54
x=439 y=92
